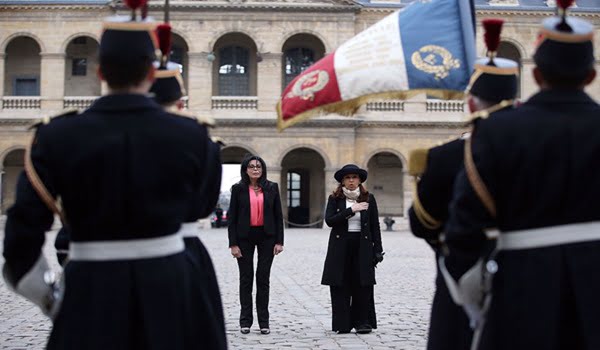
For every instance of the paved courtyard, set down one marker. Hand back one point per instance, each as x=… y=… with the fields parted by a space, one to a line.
x=300 y=306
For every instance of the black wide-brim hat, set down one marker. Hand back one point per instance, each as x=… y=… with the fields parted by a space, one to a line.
x=494 y=80
x=168 y=86
x=350 y=169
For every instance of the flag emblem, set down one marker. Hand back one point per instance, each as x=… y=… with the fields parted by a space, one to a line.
x=433 y=55
x=306 y=86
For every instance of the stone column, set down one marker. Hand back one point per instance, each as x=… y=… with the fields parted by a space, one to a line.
x=330 y=183
x=199 y=81
x=52 y=80
x=274 y=174
x=269 y=83
x=1 y=193
x=103 y=88
x=347 y=148
x=2 y=77
x=527 y=85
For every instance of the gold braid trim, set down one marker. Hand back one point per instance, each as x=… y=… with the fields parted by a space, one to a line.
x=424 y=217
x=475 y=179
x=484 y=113
x=39 y=186
x=349 y=107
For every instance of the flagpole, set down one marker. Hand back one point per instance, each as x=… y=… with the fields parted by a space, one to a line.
x=167 y=11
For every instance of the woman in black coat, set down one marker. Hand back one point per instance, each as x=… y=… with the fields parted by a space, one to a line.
x=354 y=250
x=255 y=221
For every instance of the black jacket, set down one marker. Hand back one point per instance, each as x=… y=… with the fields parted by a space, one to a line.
x=336 y=216
x=239 y=213
x=434 y=189
x=124 y=169
x=540 y=165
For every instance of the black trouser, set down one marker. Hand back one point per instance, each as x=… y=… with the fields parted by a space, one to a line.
x=350 y=302
x=264 y=244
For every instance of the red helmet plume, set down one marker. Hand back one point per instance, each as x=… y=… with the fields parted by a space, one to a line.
x=135 y=4
x=492 y=28
x=163 y=32
x=564 y=4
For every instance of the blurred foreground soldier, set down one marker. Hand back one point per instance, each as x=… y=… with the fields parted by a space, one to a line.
x=125 y=190
x=61 y=244
x=492 y=88
x=533 y=175
x=167 y=90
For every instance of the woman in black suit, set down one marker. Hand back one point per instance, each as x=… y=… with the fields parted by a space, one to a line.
x=255 y=221
x=354 y=250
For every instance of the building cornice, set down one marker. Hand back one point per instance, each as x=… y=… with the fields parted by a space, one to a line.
x=24 y=122
x=59 y=7
x=340 y=123
x=254 y=8
x=533 y=12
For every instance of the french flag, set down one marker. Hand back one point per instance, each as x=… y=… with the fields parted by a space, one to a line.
x=427 y=47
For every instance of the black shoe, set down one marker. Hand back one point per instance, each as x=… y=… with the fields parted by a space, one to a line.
x=265 y=331
x=245 y=330
x=343 y=331
x=364 y=329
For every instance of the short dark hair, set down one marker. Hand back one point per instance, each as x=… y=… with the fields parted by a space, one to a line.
x=244 y=167
x=120 y=74
x=569 y=80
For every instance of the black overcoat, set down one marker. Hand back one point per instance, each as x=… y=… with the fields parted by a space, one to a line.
x=540 y=165
x=448 y=324
x=124 y=169
x=239 y=213
x=336 y=216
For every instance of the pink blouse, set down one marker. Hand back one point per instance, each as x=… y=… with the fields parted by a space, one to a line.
x=256 y=207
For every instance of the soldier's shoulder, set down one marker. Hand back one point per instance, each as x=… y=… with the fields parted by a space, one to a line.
x=417 y=161
x=47 y=120
x=448 y=149
x=202 y=120
x=218 y=141
x=422 y=158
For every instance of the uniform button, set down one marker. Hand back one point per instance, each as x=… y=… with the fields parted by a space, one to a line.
x=365 y=237
x=337 y=236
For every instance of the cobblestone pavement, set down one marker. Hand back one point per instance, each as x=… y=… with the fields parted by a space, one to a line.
x=299 y=307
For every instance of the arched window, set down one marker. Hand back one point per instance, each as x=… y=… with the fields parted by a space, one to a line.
x=22 y=68
x=300 y=51
x=297 y=60
x=234 y=77
x=179 y=54
x=80 y=67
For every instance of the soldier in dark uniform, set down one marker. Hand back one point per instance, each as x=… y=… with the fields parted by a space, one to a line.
x=125 y=189
x=167 y=90
x=493 y=88
x=534 y=176
x=61 y=244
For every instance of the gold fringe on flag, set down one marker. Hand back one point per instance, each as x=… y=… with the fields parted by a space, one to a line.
x=349 y=107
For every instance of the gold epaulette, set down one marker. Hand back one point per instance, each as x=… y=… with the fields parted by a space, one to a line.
x=218 y=140
x=47 y=119
x=206 y=121
x=484 y=113
x=417 y=161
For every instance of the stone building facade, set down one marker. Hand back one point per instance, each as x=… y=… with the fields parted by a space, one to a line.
x=237 y=57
